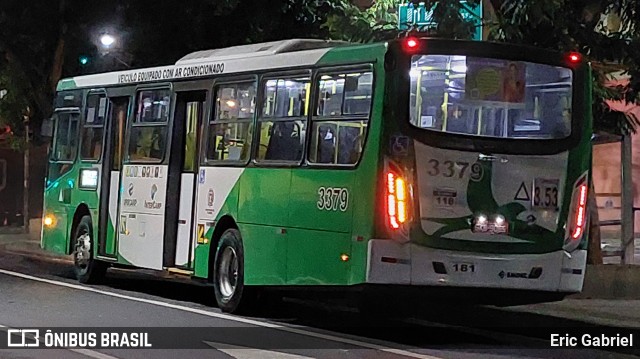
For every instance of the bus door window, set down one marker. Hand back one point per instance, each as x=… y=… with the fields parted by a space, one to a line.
x=93 y=128
x=119 y=114
x=194 y=112
x=282 y=126
x=65 y=144
x=149 y=130
x=230 y=130
x=341 y=117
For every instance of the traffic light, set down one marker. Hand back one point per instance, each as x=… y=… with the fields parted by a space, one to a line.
x=84 y=60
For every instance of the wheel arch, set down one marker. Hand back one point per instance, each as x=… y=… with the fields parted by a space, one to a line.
x=225 y=222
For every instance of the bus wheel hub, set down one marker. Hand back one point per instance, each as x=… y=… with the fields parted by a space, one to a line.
x=83 y=246
x=228 y=272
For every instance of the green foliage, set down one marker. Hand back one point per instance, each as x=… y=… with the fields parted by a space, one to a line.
x=379 y=22
x=349 y=23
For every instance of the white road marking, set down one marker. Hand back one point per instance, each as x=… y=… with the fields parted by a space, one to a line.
x=257 y=323
x=252 y=353
x=86 y=352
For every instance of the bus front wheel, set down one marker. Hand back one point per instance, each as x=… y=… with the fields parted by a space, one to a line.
x=85 y=266
x=228 y=282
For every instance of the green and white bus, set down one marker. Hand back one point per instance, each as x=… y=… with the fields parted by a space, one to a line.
x=417 y=164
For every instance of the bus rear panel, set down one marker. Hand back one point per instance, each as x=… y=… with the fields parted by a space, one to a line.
x=485 y=178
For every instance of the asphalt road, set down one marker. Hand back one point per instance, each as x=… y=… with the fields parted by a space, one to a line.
x=41 y=293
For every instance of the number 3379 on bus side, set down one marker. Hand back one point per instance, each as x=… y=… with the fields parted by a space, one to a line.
x=333 y=199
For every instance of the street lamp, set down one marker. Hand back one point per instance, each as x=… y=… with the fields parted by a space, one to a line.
x=108 y=43
x=107 y=40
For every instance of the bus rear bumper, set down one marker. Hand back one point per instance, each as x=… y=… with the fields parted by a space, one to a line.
x=390 y=262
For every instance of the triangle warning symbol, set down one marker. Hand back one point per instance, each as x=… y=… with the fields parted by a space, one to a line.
x=522 y=194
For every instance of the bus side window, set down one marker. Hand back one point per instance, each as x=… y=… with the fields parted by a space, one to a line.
x=282 y=126
x=65 y=145
x=230 y=130
x=148 y=135
x=340 y=120
x=93 y=128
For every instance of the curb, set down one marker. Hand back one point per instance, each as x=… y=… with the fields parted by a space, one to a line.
x=35 y=255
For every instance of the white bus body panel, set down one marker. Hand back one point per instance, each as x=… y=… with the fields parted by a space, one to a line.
x=391 y=262
x=142 y=215
x=214 y=186
x=185 y=219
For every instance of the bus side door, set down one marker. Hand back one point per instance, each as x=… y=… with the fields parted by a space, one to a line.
x=180 y=241
x=112 y=167
x=143 y=204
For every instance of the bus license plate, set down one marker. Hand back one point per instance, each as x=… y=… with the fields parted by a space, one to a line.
x=465 y=267
x=545 y=193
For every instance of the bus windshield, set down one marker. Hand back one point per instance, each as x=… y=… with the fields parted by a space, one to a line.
x=490 y=97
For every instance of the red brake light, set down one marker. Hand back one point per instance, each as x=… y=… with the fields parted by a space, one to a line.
x=397 y=208
x=574 y=57
x=577 y=215
x=411 y=44
x=580 y=212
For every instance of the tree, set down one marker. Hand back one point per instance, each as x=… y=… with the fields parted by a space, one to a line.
x=34 y=39
x=42 y=40
x=350 y=21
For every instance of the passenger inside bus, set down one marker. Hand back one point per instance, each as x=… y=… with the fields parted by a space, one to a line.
x=284 y=143
x=147 y=143
x=345 y=138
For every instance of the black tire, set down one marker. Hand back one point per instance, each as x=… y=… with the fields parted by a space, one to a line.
x=87 y=269
x=232 y=295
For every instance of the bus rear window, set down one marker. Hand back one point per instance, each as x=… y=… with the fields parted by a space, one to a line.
x=490 y=97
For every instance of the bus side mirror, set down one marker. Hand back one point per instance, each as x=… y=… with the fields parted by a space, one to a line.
x=46 y=130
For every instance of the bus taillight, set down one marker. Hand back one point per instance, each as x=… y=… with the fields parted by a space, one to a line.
x=577 y=222
x=397 y=208
x=411 y=44
x=574 y=57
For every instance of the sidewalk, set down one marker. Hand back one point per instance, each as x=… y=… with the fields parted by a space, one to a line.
x=14 y=241
x=603 y=312
x=611 y=250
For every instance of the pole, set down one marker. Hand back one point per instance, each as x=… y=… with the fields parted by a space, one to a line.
x=627 y=203
x=25 y=196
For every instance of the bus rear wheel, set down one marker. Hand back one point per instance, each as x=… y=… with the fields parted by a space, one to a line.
x=85 y=266
x=228 y=279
